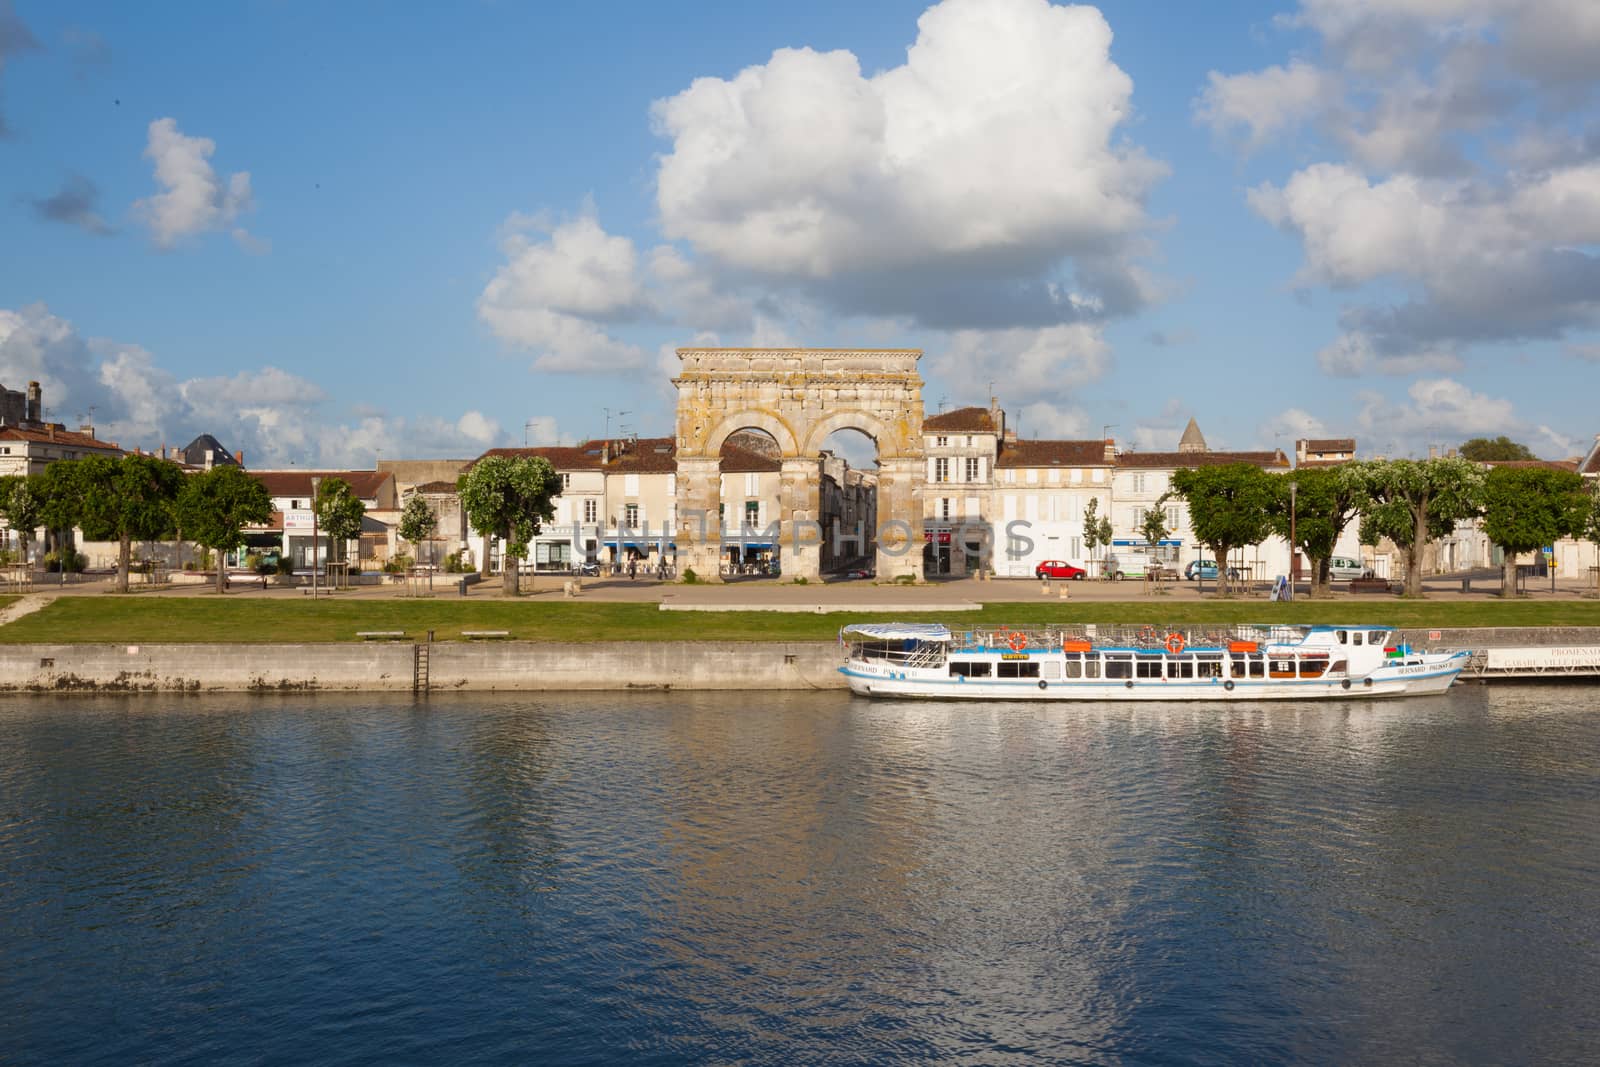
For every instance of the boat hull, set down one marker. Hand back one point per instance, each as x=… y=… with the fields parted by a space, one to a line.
x=867 y=680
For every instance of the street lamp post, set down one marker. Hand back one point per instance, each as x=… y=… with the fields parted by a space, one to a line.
x=316 y=536
x=1294 y=547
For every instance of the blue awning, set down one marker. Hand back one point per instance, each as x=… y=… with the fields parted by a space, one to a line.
x=1142 y=543
x=749 y=544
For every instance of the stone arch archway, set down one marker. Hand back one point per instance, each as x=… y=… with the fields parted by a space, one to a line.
x=799 y=396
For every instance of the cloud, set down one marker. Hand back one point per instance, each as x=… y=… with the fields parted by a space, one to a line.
x=1589 y=353
x=980 y=185
x=1354 y=355
x=1043 y=419
x=1460 y=195
x=556 y=295
x=277 y=418
x=1263 y=102
x=74 y=204
x=1435 y=411
x=1046 y=364
x=87 y=48
x=15 y=39
x=194 y=199
x=1289 y=425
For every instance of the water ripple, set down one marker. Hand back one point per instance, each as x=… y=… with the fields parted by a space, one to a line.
x=778 y=878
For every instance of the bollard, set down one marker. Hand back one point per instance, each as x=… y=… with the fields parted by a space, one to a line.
x=461 y=587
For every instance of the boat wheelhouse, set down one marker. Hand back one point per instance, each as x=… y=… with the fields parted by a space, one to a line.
x=1140 y=663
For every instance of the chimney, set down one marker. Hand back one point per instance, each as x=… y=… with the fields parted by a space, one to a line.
x=52 y=431
x=1111 y=450
x=1451 y=453
x=211 y=458
x=1010 y=436
x=238 y=457
x=1433 y=451
x=605 y=453
x=35 y=402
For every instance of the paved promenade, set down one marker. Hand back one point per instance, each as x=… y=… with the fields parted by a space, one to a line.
x=775 y=593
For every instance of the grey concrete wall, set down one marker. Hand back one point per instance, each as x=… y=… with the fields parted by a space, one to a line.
x=388 y=666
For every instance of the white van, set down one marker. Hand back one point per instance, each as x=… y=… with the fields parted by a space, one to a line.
x=1343 y=568
x=1130 y=563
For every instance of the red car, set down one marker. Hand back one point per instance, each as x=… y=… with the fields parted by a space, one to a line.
x=1056 y=568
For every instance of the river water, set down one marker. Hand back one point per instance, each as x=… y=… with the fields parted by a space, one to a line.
x=803 y=878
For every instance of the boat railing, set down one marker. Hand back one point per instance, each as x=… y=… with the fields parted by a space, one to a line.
x=1097 y=637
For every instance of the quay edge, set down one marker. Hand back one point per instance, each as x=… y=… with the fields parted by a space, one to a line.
x=514 y=666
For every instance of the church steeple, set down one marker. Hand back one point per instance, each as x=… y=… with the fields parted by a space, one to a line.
x=1192 y=440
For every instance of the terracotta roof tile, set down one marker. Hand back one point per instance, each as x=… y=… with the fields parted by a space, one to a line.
x=961 y=420
x=1201 y=459
x=1332 y=444
x=644 y=455
x=1053 y=454
x=70 y=438
x=1547 y=464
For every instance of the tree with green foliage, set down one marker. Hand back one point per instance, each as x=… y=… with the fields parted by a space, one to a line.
x=216 y=505
x=418 y=521
x=1525 y=508
x=1325 y=500
x=1414 y=501
x=1096 y=527
x=1229 y=507
x=509 y=497
x=1486 y=450
x=22 y=509
x=127 y=499
x=339 y=514
x=1153 y=527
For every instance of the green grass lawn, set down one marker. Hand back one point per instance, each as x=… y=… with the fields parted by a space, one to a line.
x=129 y=620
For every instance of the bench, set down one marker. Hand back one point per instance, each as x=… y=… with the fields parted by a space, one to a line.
x=1370 y=585
x=485 y=635
x=380 y=635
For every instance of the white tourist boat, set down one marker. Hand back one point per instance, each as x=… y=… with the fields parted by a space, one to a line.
x=1140 y=663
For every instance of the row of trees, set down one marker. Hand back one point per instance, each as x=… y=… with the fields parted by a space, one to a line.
x=1411 y=502
x=143 y=498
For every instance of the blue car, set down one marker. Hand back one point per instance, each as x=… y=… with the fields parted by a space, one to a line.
x=1206 y=568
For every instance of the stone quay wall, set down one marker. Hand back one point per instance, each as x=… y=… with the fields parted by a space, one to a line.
x=517 y=666
x=393 y=666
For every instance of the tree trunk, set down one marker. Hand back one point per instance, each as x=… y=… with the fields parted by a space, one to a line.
x=1508 y=575
x=1419 y=539
x=508 y=573
x=124 y=558
x=222 y=574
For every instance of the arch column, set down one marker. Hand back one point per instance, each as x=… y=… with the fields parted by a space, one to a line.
x=900 y=537
x=699 y=492
x=800 y=505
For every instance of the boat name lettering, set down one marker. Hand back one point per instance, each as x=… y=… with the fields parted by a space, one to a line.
x=1013 y=655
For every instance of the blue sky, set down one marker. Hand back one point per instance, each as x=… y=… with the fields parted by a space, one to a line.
x=329 y=232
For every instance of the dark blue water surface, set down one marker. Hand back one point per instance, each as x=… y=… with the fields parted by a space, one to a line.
x=799 y=879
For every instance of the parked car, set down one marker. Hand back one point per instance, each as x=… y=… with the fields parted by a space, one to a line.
x=1058 y=568
x=1343 y=569
x=858 y=572
x=1206 y=568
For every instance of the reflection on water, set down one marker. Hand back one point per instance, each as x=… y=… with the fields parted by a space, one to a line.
x=806 y=877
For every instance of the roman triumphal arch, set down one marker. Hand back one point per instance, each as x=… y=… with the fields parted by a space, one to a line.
x=799 y=396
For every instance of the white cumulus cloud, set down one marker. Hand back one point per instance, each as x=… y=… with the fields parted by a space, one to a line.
x=194 y=199
x=955 y=189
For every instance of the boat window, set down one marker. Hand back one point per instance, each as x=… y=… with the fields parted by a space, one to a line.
x=1339 y=667
x=1180 y=668
x=1209 y=667
x=1074 y=666
x=1091 y=668
x=1376 y=637
x=1149 y=667
x=1119 y=667
x=1344 y=636
x=971 y=668
x=1258 y=666
x=1312 y=668
x=1357 y=637
x=1050 y=669
x=1014 y=669
x=1239 y=666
